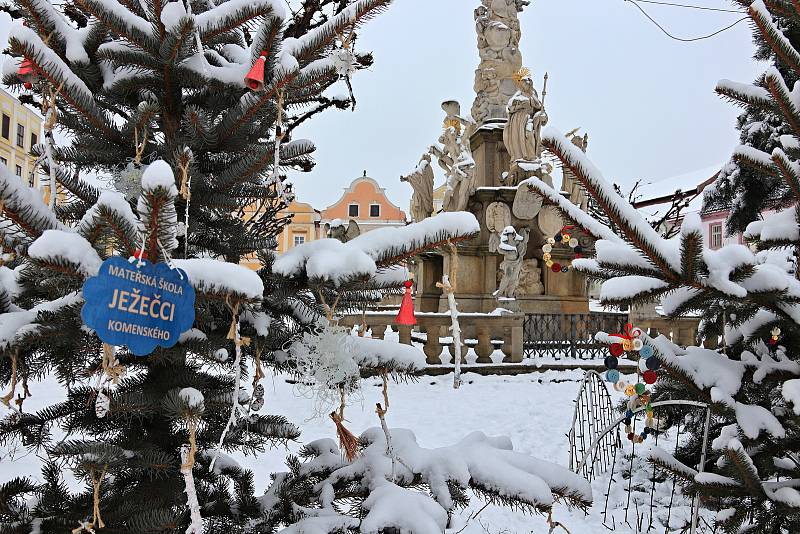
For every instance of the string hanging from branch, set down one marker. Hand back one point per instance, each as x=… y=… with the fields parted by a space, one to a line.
x=187 y=462
x=234 y=335
x=50 y=112
x=6 y=399
x=448 y=285
x=381 y=411
x=184 y=159
x=139 y=146
x=96 y=519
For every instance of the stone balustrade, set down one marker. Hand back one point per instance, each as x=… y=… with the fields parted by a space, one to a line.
x=488 y=329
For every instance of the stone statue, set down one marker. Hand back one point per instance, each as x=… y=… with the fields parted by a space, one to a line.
x=344 y=232
x=570 y=184
x=522 y=134
x=513 y=246
x=421 y=181
x=497 y=26
x=530 y=279
x=454 y=157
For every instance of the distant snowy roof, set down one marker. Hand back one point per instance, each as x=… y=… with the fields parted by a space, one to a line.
x=655 y=196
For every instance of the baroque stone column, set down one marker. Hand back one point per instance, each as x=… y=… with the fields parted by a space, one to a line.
x=497 y=25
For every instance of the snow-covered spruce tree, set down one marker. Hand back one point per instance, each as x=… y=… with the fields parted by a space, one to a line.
x=751 y=297
x=740 y=186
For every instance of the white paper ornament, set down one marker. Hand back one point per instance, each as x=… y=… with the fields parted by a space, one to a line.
x=128 y=180
x=344 y=62
x=326 y=365
x=637 y=344
x=257 y=404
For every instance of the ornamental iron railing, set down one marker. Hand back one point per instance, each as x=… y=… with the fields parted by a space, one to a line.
x=559 y=335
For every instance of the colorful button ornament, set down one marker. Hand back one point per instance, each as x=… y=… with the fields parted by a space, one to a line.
x=630 y=342
x=564 y=237
x=653 y=364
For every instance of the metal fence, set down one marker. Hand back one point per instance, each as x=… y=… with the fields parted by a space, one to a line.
x=561 y=335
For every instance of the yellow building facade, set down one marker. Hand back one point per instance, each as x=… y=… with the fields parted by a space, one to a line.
x=20 y=129
x=305 y=226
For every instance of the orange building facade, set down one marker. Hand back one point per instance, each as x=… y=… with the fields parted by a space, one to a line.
x=365 y=202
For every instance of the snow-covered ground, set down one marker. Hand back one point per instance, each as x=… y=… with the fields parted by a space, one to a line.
x=534 y=410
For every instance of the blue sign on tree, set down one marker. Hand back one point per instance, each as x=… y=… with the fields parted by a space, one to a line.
x=139 y=307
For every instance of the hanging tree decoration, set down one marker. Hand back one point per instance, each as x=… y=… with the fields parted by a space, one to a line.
x=193 y=406
x=7 y=398
x=405 y=315
x=328 y=374
x=565 y=238
x=775 y=335
x=27 y=73
x=630 y=344
x=254 y=79
x=128 y=180
x=275 y=178
x=111 y=372
x=381 y=411
x=344 y=61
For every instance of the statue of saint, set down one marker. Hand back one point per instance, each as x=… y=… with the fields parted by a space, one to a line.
x=344 y=231
x=421 y=181
x=522 y=134
x=455 y=158
x=513 y=246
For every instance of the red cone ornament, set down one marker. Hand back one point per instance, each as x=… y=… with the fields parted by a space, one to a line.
x=255 y=78
x=26 y=72
x=406 y=314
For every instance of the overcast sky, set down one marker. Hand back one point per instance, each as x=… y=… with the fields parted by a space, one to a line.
x=647 y=101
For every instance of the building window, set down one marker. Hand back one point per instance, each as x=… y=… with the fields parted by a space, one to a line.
x=34 y=140
x=20 y=136
x=716 y=235
x=4 y=161
x=374 y=210
x=299 y=239
x=31 y=179
x=6 y=126
x=352 y=210
x=19 y=170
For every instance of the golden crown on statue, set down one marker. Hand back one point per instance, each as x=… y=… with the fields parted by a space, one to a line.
x=521 y=74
